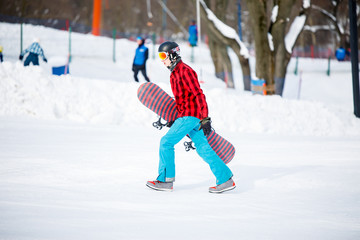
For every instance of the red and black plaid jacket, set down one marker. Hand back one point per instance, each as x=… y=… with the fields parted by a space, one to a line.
x=190 y=100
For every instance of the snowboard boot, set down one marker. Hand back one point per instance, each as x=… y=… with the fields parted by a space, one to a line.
x=226 y=186
x=160 y=186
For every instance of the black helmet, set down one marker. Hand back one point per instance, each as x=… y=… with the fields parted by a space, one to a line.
x=172 y=48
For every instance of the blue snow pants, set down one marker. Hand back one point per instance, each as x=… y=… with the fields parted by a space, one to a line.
x=180 y=128
x=32 y=58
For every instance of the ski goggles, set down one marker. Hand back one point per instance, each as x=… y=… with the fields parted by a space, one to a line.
x=163 y=55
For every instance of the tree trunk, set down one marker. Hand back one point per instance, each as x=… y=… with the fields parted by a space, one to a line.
x=220 y=55
x=213 y=46
x=222 y=62
x=281 y=56
x=264 y=67
x=271 y=64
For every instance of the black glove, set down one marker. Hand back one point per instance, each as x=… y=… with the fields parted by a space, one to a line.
x=21 y=57
x=45 y=60
x=205 y=125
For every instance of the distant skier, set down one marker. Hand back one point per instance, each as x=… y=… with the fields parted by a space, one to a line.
x=141 y=56
x=193 y=34
x=34 y=51
x=193 y=121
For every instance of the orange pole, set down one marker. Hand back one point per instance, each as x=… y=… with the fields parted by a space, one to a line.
x=96 y=18
x=264 y=89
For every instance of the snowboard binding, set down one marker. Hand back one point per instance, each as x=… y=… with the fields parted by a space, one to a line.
x=189 y=146
x=158 y=124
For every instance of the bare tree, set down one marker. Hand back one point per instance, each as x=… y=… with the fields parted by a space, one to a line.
x=218 y=50
x=336 y=14
x=275 y=38
x=223 y=36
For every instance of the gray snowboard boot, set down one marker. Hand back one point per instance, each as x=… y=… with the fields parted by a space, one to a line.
x=160 y=186
x=226 y=186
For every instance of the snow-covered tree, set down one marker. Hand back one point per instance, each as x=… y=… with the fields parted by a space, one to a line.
x=222 y=36
x=275 y=38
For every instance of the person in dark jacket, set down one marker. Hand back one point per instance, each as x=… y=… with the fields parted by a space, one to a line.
x=141 y=56
x=34 y=51
x=193 y=120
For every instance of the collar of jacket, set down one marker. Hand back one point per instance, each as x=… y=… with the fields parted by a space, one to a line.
x=172 y=66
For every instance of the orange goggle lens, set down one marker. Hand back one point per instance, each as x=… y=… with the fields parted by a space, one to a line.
x=163 y=55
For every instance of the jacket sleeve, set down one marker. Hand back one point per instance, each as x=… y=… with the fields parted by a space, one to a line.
x=42 y=53
x=25 y=51
x=146 y=54
x=192 y=85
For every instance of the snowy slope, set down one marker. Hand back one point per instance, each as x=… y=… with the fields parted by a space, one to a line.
x=76 y=151
x=85 y=96
x=33 y=92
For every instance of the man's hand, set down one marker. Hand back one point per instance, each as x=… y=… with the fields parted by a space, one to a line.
x=205 y=125
x=21 y=57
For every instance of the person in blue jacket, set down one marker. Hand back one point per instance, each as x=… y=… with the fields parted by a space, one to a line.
x=141 y=56
x=34 y=51
x=193 y=34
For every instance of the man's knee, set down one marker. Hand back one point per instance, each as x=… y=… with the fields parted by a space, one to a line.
x=166 y=143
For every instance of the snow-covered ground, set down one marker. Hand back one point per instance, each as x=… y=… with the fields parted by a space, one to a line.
x=77 y=150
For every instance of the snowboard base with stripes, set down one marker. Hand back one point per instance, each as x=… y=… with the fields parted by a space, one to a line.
x=158 y=101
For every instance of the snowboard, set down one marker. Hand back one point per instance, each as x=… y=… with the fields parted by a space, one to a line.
x=158 y=101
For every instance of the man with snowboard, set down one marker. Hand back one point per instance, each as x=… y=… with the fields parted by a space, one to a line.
x=193 y=121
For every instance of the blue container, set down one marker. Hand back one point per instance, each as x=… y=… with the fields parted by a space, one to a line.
x=60 y=70
x=340 y=54
x=258 y=86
